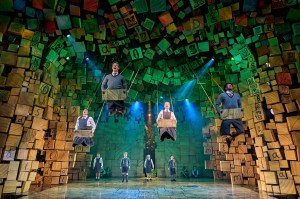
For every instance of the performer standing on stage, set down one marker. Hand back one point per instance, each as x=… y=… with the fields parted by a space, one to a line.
x=125 y=166
x=169 y=132
x=85 y=122
x=148 y=165
x=172 y=168
x=111 y=82
x=229 y=100
x=98 y=165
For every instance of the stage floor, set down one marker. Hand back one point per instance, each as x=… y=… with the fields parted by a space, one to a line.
x=140 y=188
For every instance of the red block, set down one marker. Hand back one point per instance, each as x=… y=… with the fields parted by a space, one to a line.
x=284 y=79
x=38 y=4
x=91 y=5
x=50 y=27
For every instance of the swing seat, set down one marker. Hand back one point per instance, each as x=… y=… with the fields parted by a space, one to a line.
x=115 y=94
x=83 y=133
x=166 y=123
x=235 y=113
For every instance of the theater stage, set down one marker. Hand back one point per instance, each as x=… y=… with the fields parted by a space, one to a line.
x=139 y=188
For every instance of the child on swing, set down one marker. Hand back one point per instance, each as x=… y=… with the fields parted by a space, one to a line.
x=167 y=132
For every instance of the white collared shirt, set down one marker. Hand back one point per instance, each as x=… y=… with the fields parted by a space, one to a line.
x=90 y=122
x=161 y=115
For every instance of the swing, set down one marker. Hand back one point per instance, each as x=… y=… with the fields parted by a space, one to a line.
x=84 y=133
x=235 y=113
x=115 y=94
x=118 y=94
x=166 y=123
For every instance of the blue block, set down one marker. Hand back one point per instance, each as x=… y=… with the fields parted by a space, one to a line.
x=19 y=5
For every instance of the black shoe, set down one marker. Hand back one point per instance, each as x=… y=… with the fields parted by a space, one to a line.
x=151 y=179
x=122 y=180
x=228 y=141
x=126 y=180
x=174 y=180
x=147 y=180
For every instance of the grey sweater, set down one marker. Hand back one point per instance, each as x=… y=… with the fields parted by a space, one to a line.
x=111 y=82
x=228 y=102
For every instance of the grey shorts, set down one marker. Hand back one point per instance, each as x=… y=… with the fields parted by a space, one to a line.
x=237 y=123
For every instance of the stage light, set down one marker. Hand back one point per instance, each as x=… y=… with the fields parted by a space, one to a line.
x=87 y=59
x=149 y=115
x=232 y=58
x=161 y=97
x=213 y=59
x=186 y=99
x=68 y=58
x=68 y=35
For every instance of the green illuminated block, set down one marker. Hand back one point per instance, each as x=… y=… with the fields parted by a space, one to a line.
x=112 y=2
x=234 y=78
x=71 y=52
x=148 y=24
x=252 y=21
x=203 y=46
x=273 y=41
x=63 y=22
x=158 y=75
x=293 y=15
x=141 y=6
x=13 y=47
x=237 y=59
x=76 y=21
x=30 y=12
x=90 y=46
x=258 y=30
x=91 y=25
x=192 y=49
x=52 y=56
x=164 y=44
x=147 y=78
x=7 y=6
x=136 y=53
x=32 y=24
x=133 y=94
x=181 y=15
x=245 y=74
x=263 y=59
x=149 y=53
x=121 y=31
x=63 y=53
x=177 y=74
x=177 y=82
x=197 y=3
x=113 y=50
x=150 y=70
x=212 y=18
x=79 y=47
x=166 y=81
x=128 y=74
x=169 y=74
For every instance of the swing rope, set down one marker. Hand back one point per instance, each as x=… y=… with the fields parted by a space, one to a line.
x=171 y=101
x=157 y=99
x=215 y=82
x=100 y=113
x=134 y=77
x=203 y=88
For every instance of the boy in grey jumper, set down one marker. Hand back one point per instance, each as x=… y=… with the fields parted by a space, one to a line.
x=229 y=100
x=111 y=82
